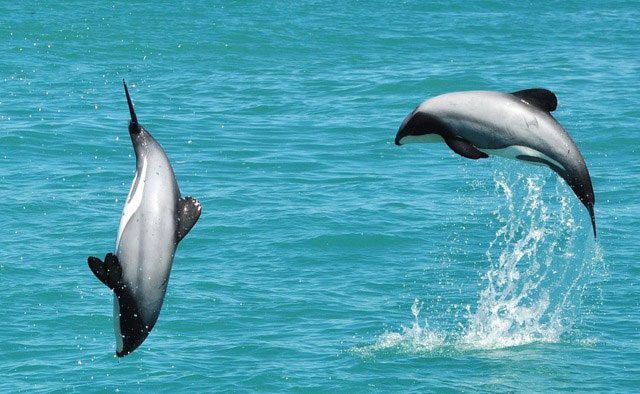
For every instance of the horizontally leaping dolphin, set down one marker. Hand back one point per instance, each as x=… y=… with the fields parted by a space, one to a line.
x=155 y=218
x=519 y=125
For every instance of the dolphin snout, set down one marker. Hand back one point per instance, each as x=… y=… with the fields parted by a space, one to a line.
x=406 y=128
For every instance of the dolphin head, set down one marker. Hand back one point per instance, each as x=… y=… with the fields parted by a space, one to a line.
x=132 y=325
x=420 y=126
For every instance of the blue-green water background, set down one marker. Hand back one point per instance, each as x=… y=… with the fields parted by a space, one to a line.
x=326 y=258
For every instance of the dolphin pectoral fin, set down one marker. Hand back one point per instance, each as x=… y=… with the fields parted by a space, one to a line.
x=98 y=269
x=109 y=272
x=541 y=98
x=464 y=148
x=189 y=210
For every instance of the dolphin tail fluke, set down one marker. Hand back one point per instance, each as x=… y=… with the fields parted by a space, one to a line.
x=593 y=218
x=134 y=126
x=134 y=118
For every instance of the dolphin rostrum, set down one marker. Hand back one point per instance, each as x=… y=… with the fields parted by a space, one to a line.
x=154 y=220
x=519 y=125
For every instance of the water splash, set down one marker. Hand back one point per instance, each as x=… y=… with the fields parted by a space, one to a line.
x=414 y=339
x=541 y=260
x=533 y=270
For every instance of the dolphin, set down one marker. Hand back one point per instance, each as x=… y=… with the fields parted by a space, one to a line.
x=519 y=125
x=154 y=220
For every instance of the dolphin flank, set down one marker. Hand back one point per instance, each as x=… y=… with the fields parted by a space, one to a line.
x=519 y=125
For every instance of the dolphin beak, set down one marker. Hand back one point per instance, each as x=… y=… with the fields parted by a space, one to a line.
x=134 y=126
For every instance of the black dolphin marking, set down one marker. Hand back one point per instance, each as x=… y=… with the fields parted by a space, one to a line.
x=132 y=331
x=419 y=123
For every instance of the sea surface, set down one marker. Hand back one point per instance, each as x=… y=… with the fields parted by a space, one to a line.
x=326 y=259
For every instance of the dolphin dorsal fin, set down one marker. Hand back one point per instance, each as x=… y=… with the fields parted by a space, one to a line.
x=541 y=98
x=189 y=210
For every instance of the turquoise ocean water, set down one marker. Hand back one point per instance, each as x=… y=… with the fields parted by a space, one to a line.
x=326 y=258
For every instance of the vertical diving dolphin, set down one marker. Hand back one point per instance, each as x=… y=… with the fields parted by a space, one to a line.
x=519 y=125
x=154 y=219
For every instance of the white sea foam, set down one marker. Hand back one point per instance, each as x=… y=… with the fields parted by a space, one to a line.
x=414 y=339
